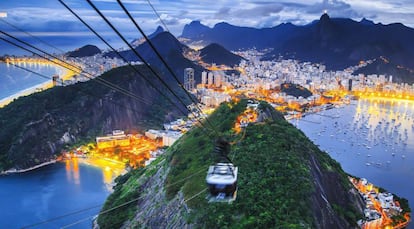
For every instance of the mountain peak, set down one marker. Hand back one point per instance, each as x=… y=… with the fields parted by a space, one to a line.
x=87 y=50
x=156 y=32
x=365 y=21
x=215 y=53
x=194 y=29
x=221 y=24
x=325 y=17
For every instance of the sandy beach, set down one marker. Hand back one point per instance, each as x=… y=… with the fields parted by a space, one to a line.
x=67 y=75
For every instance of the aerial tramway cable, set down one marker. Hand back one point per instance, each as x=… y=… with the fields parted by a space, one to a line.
x=163 y=61
x=99 y=79
x=31 y=35
x=122 y=57
x=139 y=56
x=158 y=15
x=166 y=186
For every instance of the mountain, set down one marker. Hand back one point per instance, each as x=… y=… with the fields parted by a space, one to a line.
x=339 y=43
x=284 y=180
x=215 y=53
x=234 y=37
x=399 y=73
x=156 y=32
x=172 y=52
x=36 y=128
x=336 y=42
x=195 y=30
x=139 y=41
x=87 y=50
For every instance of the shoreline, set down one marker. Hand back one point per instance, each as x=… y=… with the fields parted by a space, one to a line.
x=15 y=171
x=66 y=74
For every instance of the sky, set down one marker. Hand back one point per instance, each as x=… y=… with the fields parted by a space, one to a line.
x=48 y=18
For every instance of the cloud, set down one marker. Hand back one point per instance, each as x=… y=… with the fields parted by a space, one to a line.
x=222 y=12
x=257 y=11
x=334 y=8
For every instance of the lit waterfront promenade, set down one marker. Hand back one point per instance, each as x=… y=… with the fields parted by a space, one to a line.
x=30 y=62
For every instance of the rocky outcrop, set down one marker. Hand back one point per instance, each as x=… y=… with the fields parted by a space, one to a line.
x=155 y=211
x=330 y=194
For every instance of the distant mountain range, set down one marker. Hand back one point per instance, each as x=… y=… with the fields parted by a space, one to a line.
x=335 y=42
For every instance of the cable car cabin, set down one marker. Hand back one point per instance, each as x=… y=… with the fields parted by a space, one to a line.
x=222 y=182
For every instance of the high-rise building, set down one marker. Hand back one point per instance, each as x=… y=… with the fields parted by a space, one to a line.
x=189 y=82
x=210 y=78
x=217 y=79
x=204 y=78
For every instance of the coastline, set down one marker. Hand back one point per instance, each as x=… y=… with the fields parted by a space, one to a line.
x=13 y=171
x=66 y=75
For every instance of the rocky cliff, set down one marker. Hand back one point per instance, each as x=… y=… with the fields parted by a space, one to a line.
x=36 y=128
x=284 y=181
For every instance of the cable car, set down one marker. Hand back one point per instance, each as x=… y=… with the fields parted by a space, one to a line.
x=222 y=182
x=222 y=177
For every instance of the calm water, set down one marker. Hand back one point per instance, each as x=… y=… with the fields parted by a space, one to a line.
x=50 y=192
x=13 y=79
x=370 y=139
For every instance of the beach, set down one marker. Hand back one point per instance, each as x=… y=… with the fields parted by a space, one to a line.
x=66 y=75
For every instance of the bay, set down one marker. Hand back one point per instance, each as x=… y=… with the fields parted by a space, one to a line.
x=373 y=139
x=53 y=191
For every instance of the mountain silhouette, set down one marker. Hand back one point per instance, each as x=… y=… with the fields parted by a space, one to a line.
x=335 y=42
x=87 y=50
x=215 y=53
x=172 y=52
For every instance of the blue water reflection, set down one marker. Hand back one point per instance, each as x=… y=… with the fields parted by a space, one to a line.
x=369 y=138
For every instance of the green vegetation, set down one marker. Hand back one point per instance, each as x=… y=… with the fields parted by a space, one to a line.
x=276 y=185
x=295 y=90
x=33 y=126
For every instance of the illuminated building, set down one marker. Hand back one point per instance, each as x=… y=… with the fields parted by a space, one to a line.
x=217 y=79
x=189 y=82
x=204 y=78
x=118 y=138
x=210 y=78
x=170 y=137
x=153 y=134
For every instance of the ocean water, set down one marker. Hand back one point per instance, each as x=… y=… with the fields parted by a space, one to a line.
x=50 y=192
x=373 y=139
x=14 y=80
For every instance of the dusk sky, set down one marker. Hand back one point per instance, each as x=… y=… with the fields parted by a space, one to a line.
x=50 y=18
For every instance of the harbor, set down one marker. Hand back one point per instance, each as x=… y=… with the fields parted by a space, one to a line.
x=371 y=139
